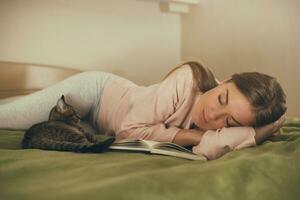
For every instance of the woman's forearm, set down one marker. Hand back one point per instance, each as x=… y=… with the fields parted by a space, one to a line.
x=262 y=133
x=188 y=137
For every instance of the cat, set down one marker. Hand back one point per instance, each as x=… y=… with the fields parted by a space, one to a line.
x=62 y=132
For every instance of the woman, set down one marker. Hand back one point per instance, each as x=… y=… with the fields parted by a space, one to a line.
x=244 y=100
x=188 y=108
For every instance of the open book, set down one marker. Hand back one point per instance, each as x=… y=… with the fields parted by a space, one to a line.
x=153 y=147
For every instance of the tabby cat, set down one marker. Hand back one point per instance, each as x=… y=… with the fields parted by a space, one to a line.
x=63 y=132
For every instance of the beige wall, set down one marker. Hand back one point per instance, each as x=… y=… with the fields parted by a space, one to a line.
x=134 y=39
x=128 y=37
x=247 y=35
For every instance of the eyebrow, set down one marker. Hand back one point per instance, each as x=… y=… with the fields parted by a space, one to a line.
x=227 y=100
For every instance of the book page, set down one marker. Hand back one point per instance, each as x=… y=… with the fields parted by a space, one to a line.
x=131 y=142
x=149 y=144
x=171 y=146
x=180 y=154
x=163 y=148
x=172 y=149
x=131 y=145
x=165 y=145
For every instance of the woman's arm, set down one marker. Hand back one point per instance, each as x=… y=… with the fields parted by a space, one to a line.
x=192 y=137
x=262 y=133
x=214 y=144
x=188 y=137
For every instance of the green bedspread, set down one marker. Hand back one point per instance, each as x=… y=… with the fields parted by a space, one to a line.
x=268 y=171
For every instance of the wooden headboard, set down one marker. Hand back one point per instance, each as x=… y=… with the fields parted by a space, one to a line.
x=24 y=78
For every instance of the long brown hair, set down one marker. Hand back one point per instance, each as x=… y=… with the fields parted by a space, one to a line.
x=264 y=93
x=202 y=76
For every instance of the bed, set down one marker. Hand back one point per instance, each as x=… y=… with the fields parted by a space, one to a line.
x=268 y=171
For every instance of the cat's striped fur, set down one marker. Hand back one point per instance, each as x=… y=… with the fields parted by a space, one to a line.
x=62 y=132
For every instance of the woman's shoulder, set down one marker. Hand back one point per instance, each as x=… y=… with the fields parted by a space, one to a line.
x=181 y=83
x=184 y=69
x=183 y=76
x=182 y=73
x=190 y=75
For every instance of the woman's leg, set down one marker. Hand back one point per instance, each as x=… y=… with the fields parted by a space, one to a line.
x=83 y=91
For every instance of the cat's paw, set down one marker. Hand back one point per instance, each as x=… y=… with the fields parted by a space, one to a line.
x=100 y=147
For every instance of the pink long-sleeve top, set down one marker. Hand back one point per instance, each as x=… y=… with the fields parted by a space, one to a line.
x=159 y=111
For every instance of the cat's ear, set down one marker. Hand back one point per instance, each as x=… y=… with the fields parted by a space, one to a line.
x=63 y=98
x=61 y=105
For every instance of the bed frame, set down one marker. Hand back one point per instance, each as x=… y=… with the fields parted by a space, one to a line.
x=18 y=79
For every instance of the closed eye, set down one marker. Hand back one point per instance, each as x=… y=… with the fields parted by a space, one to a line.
x=225 y=103
x=221 y=100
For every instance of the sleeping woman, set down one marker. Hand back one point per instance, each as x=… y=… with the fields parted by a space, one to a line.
x=188 y=107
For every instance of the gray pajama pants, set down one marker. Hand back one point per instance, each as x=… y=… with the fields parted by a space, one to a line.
x=83 y=91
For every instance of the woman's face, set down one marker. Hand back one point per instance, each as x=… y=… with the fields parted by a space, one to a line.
x=222 y=106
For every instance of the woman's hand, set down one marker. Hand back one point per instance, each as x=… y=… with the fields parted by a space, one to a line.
x=263 y=132
x=188 y=137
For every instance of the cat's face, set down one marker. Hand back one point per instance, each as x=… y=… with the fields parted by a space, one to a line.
x=64 y=112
